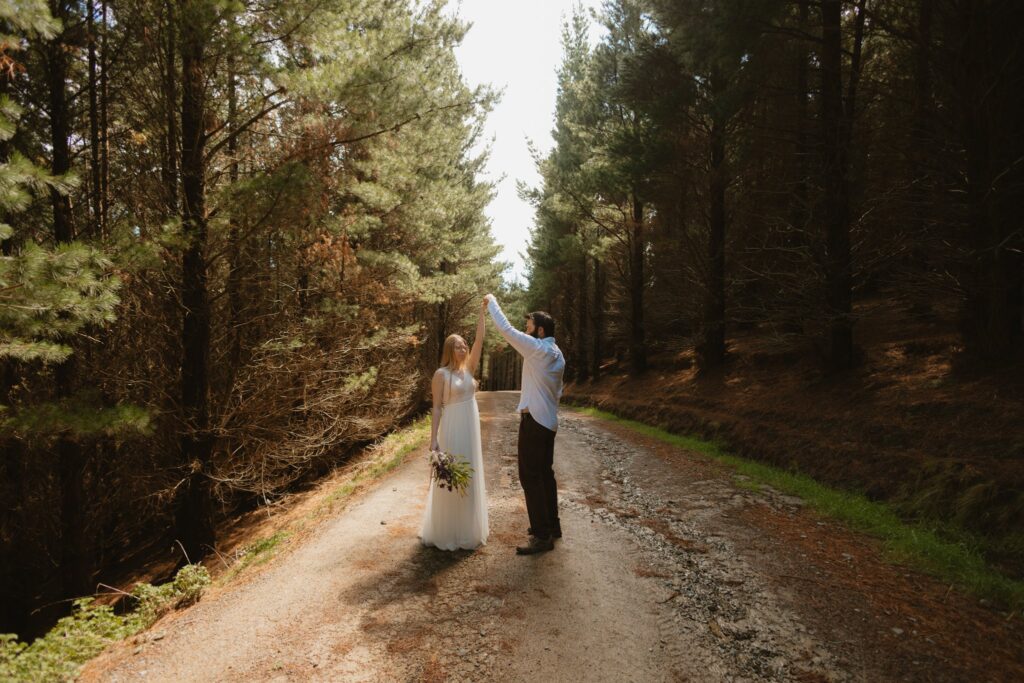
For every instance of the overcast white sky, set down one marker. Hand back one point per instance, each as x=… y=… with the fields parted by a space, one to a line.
x=515 y=46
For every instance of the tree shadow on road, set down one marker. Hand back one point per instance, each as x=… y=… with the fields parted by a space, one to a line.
x=415 y=575
x=402 y=604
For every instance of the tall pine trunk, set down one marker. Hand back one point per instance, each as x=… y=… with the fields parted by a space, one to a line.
x=443 y=314
x=712 y=346
x=597 y=319
x=15 y=575
x=95 y=170
x=582 y=316
x=801 y=191
x=104 y=132
x=797 y=237
x=194 y=511
x=234 y=279
x=170 y=85
x=991 y=107
x=923 y=117
x=921 y=143
x=74 y=564
x=637 y=340
x=835 y=123
x=16 y=580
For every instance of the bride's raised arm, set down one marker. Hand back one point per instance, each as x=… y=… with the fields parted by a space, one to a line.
x=478 y=343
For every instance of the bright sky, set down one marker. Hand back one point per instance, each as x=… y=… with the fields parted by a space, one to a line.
x=515 y=46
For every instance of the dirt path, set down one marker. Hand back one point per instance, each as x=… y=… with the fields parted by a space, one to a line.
x=668 y=572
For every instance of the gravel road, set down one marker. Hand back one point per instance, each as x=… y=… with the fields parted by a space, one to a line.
x=669 y=570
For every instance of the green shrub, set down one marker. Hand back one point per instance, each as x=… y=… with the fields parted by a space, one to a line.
x=89 y=628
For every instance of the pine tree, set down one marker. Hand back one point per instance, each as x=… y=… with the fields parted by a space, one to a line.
x=289 y=213
x=52 y=290
x=565 y=237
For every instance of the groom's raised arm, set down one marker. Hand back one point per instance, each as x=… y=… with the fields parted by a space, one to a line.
x=520 y=341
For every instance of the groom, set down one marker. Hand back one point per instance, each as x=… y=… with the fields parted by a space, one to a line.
x=543 y=366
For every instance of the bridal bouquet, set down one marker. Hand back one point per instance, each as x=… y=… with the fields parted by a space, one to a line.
x=449 y=472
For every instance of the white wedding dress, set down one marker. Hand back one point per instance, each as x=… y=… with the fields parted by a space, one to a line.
x=458 y=520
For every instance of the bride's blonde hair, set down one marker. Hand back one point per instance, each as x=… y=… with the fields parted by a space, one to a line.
x=448 y=355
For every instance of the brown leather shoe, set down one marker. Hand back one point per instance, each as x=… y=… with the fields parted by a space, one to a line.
x=536 y=545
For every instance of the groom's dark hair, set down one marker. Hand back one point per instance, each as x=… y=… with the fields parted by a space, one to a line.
x=542 y=319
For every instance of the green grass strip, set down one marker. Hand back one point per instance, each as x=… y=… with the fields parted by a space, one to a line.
x=255 y=554
x=926 y=548
x=389 y=453
x=386 y=455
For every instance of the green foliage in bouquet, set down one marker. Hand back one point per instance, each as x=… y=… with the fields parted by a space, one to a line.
x=449 y=471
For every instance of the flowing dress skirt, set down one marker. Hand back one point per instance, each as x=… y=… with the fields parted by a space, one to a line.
x=453 y=520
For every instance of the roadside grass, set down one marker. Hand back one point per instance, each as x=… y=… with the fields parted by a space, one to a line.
x=254 y=555
x=382 y=457
x=945 y=552
x=386 y=455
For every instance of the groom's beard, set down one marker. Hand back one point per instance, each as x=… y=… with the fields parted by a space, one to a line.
x=533 y=334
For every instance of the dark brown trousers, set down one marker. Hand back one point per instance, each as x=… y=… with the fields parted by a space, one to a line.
x=536 y=456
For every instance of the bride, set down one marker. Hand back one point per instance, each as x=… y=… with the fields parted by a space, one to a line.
x=457 y=520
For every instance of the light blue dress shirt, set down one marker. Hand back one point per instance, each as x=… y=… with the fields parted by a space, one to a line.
x=543 y=367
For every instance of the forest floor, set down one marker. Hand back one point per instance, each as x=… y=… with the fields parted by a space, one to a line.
x=915 y=424
x=669 y=570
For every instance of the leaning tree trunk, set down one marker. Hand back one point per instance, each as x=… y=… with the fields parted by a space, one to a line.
x=194 y=509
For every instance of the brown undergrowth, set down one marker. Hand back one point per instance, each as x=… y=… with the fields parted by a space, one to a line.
x=252 y=538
